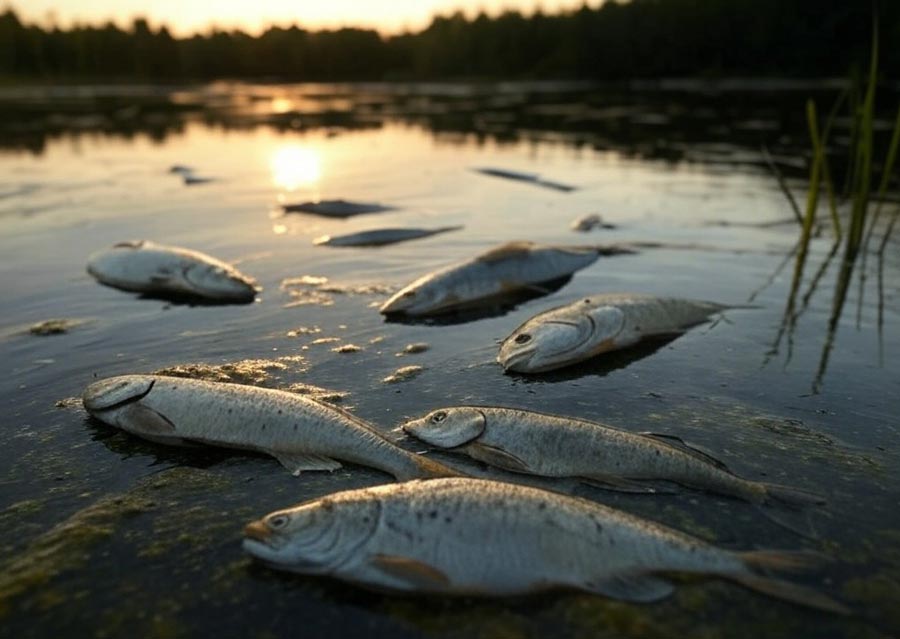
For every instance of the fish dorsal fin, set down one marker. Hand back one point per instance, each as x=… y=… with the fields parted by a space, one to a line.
x=416 y=573
x=496 y=457
x=506 y=251
x=296 y=463
x=641 y=588
x=680 y=444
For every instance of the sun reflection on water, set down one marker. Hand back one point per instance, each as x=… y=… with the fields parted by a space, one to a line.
x=295 y=166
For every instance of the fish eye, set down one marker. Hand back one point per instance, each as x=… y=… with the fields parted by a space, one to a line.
x=439 y=416
x=523 y=338
x=277 y=521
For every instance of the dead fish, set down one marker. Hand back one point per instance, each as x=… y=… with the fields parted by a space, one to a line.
x=555 y=446
x=531 y=178
x=380 y=237
x=146 y=267
x=479 y=537
x=590 y=222
x=192 y=180
x=299 y=432
x=502 y=270
x=335 y=208
x=181 y=169
x=593 y=325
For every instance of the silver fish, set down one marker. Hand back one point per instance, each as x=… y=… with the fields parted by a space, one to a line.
x=300 y=432
x=336 y=208
x=531 y=178
x=505 y=269
x=380 y=237
x=593 y=325
x=479 y=537
x=554 y=446
x=147 y=267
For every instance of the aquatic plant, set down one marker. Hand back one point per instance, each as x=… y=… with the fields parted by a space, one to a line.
x=856 y=195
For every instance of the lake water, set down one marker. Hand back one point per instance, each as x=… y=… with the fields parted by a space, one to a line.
x=104 y=534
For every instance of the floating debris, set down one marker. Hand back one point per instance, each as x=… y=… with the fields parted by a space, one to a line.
x=530 y=178
x=440 y=536
x=170 y=271
x=68 y=403
x=316 y=290
x=403 y=374
x=377 y=339
x=336 y=208
x=503 y=270
x=256 y=372
x=54 y=326
x=181 y=169
x=590 y=222
x=347 y=348
x=594 y=325
x=303 y=330
x=324 y=340
x=193 y=180
x=381 y=237
x=316 y=392
x=413 y=349
x=302 y=434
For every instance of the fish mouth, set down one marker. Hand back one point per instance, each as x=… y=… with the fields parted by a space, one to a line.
x=517 y=361
x=258 y=532
x=108 y=394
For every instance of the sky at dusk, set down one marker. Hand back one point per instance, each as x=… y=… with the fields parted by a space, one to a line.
x=187 y=16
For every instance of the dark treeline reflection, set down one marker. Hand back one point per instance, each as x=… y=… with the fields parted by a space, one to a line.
x=648 y=38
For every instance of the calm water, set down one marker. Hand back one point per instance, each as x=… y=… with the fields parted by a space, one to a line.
x=103 y=534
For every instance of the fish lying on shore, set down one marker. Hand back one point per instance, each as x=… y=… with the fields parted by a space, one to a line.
x=380 y=237
x=170 y=271
x=301 y=433
x=335 y=208
x=590 y=222
x=593 y=325
x=531 y=178
x=479 y=537
x=554 y=446
x=502 y=270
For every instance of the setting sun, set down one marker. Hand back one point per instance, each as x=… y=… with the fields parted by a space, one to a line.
x=294 y=167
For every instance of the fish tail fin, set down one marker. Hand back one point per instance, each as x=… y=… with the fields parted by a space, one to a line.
x=783 y=560
x=790 y=592
x=424 y=468
x=797 y=498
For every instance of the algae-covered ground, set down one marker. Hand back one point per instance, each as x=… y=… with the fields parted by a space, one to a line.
x=103 y=534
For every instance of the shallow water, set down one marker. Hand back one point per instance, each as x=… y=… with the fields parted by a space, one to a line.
x=103 y=533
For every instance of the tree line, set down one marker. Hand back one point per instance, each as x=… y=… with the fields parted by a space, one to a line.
x=618 y=40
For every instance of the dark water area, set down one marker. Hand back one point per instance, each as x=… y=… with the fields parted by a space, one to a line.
x=104 y=534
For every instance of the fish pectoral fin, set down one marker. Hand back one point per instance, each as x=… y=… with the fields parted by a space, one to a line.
x=496 y=457
x=690 y=449
x=147 y=421
x=296 y=463
x=639 y=588
x=622 y=485
x=412 y=571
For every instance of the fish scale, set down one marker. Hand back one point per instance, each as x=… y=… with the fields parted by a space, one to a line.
x=479 y=537
x=556 y=446
x=300 y=432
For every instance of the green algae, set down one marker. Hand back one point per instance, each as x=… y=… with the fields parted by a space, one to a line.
x=68 y=545
x=54 y=326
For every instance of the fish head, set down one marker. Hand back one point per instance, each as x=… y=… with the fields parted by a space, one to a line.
x=115 y=391
x=219 y=281
x=313 y=537
x=117 y=401
x=421 y=297
x=447 y=427
x=553 y=340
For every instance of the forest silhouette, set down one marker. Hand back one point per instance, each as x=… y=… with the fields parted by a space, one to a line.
x=618 y=40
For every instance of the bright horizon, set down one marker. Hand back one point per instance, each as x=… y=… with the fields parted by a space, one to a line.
x=184 y=17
